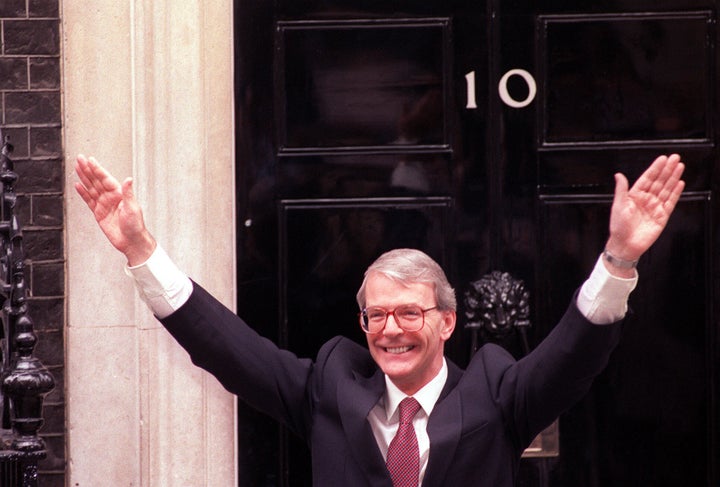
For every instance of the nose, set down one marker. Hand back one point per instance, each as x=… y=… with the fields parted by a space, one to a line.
x=391 y=326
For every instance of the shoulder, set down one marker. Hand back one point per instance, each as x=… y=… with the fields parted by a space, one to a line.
x=489 y=363
x=342 y=350
x=490 y=360
x=491 y=352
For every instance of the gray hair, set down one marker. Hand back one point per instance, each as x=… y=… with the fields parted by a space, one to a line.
x=411 y=266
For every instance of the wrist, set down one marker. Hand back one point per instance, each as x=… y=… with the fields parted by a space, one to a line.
x=140 y=250
x=622 y=249
x=617 y=261
x=618 y=267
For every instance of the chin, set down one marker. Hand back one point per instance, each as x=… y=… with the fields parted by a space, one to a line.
x=397 y=372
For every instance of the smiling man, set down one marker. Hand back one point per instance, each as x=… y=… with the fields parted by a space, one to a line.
x=406 y=321
x=398 y=413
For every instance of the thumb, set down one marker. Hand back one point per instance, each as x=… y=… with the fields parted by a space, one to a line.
x=621 y=186
x=131 y=207
x=127 y=190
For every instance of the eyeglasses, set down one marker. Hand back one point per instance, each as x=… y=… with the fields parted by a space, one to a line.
x=409 y=317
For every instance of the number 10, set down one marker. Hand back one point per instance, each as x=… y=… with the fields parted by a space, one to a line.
x=502 y=89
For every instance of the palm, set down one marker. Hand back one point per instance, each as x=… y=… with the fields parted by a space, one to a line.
x=640 y=214
x=117 y=220
x=113 y=205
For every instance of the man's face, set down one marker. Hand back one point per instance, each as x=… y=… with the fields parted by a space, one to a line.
x=410 y=359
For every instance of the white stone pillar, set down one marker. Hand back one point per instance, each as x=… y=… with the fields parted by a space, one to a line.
x=148 y=90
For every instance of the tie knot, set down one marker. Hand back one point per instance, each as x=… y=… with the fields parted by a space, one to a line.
x=408 y=409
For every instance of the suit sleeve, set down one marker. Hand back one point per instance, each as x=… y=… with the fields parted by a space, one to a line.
x=264 y=376
x=534 y=391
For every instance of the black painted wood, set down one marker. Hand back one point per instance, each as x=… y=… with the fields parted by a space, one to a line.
x=354 y=135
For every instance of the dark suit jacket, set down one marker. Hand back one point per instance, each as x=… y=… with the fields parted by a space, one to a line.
x=483 y=420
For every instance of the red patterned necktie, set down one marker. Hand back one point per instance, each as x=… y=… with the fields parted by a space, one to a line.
x=403 y=458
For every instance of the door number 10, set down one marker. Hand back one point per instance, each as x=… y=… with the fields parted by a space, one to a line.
x=502 y=89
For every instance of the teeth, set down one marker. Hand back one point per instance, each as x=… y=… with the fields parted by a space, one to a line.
x=398 y=349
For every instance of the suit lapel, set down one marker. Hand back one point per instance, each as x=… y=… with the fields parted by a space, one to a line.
x=355 y=400
x=444 y=429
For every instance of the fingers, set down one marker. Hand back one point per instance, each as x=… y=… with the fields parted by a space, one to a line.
x=671 y=183
x=662 y=177
x=93 y=176
x=81 y=168
x=85 y=195
x=671 y=172
x=659 y=188
x=674 y=195
x=651 y=174
x=95 y=180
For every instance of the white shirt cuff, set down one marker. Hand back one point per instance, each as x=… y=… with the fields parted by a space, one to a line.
x=603 y=297
x=160 y=283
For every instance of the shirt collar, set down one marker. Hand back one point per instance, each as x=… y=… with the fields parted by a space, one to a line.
x=427 y=396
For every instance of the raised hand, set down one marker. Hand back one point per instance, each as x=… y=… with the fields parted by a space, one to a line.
x=639 y=215
x=115 y=209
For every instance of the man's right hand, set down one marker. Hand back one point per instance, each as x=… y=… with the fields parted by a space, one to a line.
x=115 y=209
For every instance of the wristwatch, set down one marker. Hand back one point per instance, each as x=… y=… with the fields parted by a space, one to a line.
x=618 y=262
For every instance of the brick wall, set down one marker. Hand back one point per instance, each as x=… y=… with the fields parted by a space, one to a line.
x=31 y=116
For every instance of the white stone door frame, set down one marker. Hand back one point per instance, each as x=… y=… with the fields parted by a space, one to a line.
x=148 y=90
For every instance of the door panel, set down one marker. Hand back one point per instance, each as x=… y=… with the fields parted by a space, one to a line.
x=487 y=134
x=612 y=78
x=362 y=84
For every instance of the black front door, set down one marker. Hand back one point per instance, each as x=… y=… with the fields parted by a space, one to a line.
x=487 y=135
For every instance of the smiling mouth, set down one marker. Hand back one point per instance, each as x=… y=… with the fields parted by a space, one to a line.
x=399 y=349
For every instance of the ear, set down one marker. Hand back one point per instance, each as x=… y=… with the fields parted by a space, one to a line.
x=447 y=325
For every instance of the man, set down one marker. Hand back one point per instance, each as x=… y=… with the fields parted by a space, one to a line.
x=359 y=407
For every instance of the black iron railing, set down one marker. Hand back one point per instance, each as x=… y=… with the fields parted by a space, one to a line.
x=24 y=380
